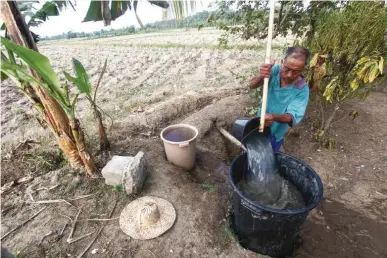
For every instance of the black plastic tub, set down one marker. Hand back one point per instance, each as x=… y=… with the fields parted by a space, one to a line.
x=267 y=230
x=243 y=126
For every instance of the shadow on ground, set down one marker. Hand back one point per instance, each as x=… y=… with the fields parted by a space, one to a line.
x=333 y=230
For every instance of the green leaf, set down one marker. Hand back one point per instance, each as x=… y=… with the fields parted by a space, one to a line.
x=162 y=4
x=3 y=76
x=118 y=8
x=75 y=81
x=50 y=9
x=314 y=60
x=374 y=73
x=354 y=114
x=361 y=74
x=70 y=78
x=117 y=188
x=82 y=76
x=63 y=4
x=94 y=13
x=20 y=75
x=329 y=90
x=74 y=103
x=100 y=79
x=381 y=64
x=363 y=60
x=37 y=62
x=354 y=84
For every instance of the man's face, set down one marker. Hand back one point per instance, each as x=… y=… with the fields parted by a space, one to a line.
x=291 y=69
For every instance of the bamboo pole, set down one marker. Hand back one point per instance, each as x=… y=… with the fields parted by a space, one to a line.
x=231 y=138
x=267 y=61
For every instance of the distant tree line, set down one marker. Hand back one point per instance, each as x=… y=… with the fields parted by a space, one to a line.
x=198 y=20
x=94 y=34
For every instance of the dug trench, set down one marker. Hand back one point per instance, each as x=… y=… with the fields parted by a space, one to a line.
x=336 y=228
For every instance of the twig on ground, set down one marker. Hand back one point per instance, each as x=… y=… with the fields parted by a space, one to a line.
x=31 y=197
x=67 y=217
x=23 y=223
x=119 y=251
x=70 y=238
x=73 y=225
x=51 y=201
x=62 y=200
x=46 y=235
x=53 y=187
x=80 y=197
x=63 y=229
x=75 y=239
x=97 y=234
x=8 y=186
x=106 y=219
x=151 y=252
x=47 y=188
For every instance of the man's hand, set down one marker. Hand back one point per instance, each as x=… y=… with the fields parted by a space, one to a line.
x=269 y=119
x=265 y=70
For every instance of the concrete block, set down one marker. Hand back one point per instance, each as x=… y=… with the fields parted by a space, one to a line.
x=114 y=169
x=130 y=172
x=134 y=174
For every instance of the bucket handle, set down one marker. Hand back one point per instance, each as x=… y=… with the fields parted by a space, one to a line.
x=185 y=144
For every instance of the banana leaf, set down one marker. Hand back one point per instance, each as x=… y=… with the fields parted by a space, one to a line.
x=81 y=80
x=94 y=13
x=118 y=8
x=37 y=62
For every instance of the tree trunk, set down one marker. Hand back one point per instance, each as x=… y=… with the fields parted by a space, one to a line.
x=103 y=140
x=107 y=17
x=330 y=118
x=80 y=142
x=53 y=113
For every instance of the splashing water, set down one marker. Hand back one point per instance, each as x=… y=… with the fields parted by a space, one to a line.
x=263 y=183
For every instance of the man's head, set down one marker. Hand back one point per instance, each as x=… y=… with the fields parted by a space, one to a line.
x=293 y=63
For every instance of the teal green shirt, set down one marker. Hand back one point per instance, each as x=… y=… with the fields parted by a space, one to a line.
x=292 y=99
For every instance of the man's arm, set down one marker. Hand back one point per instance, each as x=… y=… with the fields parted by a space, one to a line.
x=285 y=118
x=264 y=72
x=256 y=81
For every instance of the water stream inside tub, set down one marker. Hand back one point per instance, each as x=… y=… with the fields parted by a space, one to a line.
x=263 y=183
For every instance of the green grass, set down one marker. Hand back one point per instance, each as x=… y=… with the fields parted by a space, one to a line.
x=225 y=235
x=209 y=188
x=46 y=160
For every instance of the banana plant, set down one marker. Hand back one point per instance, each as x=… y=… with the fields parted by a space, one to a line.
x=34 y=17
x=35 y=70
x=107 y=11
x=81 y=80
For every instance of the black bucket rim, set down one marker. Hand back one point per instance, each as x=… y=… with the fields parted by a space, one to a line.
x=243 y=141
x=274 y=210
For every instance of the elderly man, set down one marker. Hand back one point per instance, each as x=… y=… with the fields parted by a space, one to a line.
x=288 y=93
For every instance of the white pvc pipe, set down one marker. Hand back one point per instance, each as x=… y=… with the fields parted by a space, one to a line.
x=267 y=61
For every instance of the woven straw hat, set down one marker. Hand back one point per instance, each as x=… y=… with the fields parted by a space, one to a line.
x=147 y=217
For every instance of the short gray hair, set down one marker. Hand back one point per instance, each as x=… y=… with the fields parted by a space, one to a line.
x=298 y=53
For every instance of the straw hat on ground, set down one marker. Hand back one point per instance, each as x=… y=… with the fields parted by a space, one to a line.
x=147 y=217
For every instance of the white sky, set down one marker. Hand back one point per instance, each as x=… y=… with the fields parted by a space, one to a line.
x=72 y=20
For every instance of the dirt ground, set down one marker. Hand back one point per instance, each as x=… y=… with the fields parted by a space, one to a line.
x=194 y=87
